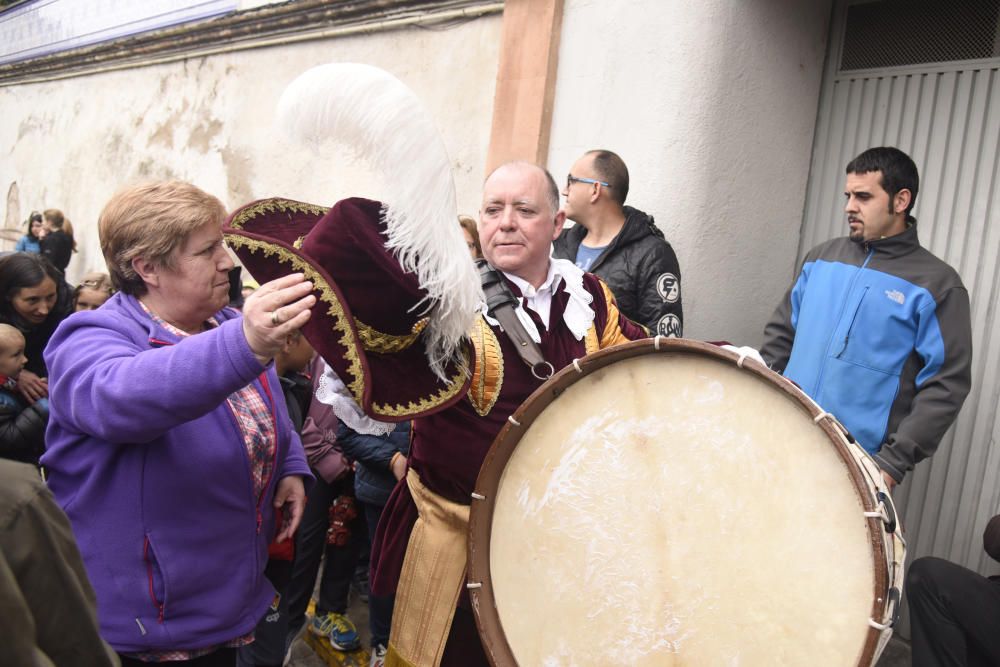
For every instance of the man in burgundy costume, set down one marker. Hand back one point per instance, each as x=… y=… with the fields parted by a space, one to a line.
x=519 y=218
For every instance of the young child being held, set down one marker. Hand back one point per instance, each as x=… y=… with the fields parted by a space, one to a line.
x=22 y=426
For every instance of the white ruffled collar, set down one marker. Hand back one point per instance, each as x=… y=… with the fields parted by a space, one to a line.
x=578 y=315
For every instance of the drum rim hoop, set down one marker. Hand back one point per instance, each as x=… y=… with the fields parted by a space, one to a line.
x=480 y=586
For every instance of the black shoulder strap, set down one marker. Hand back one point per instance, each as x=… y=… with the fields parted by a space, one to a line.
x=500 y=305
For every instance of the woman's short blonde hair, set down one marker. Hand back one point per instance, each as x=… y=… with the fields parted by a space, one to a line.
x=151 y=220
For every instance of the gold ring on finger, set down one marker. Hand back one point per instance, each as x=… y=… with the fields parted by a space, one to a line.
x=274 y=318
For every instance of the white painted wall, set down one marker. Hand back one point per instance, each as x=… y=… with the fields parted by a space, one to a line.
x=70 y=144
x=712 y=105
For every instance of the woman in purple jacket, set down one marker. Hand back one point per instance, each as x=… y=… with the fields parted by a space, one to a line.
x=171 y=445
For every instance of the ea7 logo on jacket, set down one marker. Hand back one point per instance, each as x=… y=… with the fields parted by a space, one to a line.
x=895 y=295
x=669 y=287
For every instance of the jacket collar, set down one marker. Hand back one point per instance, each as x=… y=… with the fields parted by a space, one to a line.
x=638 y=225
x=157 y=334
x=895 y=246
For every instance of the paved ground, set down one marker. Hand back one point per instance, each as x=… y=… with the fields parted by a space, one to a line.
x=304 y=656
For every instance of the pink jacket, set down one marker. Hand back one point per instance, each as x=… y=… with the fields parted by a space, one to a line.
x=319 y=434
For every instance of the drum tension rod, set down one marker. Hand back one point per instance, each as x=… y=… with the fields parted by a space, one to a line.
x=893 y=604
x=473 y=585
x=821 y=416
x=887 y=513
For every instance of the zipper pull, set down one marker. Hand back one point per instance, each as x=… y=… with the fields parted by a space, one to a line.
x=260 y=520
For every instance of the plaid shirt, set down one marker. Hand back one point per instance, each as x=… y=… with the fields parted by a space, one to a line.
x=260 y=439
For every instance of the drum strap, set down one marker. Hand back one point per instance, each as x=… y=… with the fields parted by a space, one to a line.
x=500 y=304
x=431 y=580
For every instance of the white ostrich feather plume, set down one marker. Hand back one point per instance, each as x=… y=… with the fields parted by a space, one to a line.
x=380 y=119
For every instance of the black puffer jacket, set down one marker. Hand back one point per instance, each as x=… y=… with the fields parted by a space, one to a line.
x=22 y=428
x=641 y=269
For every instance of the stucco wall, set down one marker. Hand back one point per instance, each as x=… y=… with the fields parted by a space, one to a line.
x=712 y=106
x=70 y=144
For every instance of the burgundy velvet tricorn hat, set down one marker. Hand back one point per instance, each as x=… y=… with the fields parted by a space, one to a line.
x=370 y=314
x=397 y=293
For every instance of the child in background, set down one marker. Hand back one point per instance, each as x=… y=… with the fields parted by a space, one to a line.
x=334 y=484
x=268 y=648
x=31 y=241
x=380 y=462
x=471 y=234
x=22 y=426
x=92 y=292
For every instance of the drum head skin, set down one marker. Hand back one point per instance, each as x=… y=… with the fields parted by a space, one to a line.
x=670 y=508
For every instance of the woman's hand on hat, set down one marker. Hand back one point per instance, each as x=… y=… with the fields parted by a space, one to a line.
x=275 y=310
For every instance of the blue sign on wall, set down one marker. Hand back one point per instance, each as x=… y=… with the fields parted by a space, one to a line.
x=47 y=26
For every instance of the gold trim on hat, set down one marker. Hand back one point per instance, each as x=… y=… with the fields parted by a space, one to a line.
x=374 y=340
x=487 y=379
x=368 y=339
x=275 y=205
x=441 y=396
x=327 y=295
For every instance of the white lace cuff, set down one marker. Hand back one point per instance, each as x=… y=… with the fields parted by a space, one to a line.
x=332 y=391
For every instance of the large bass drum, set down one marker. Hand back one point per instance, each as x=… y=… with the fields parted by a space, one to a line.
x=668 y=502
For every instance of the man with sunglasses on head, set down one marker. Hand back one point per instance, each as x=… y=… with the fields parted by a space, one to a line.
x=620 y=244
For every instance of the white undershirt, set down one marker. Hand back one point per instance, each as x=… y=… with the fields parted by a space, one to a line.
x=539 y=300
x=578 y=315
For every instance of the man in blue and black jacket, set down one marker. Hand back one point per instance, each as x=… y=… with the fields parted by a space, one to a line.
x=875 y=328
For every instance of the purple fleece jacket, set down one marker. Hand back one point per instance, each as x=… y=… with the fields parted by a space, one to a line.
x=147 y=459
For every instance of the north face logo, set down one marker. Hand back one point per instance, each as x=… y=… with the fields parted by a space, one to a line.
x=895 y=295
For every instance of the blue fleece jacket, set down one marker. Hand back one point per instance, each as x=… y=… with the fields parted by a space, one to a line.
x=879 y=335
